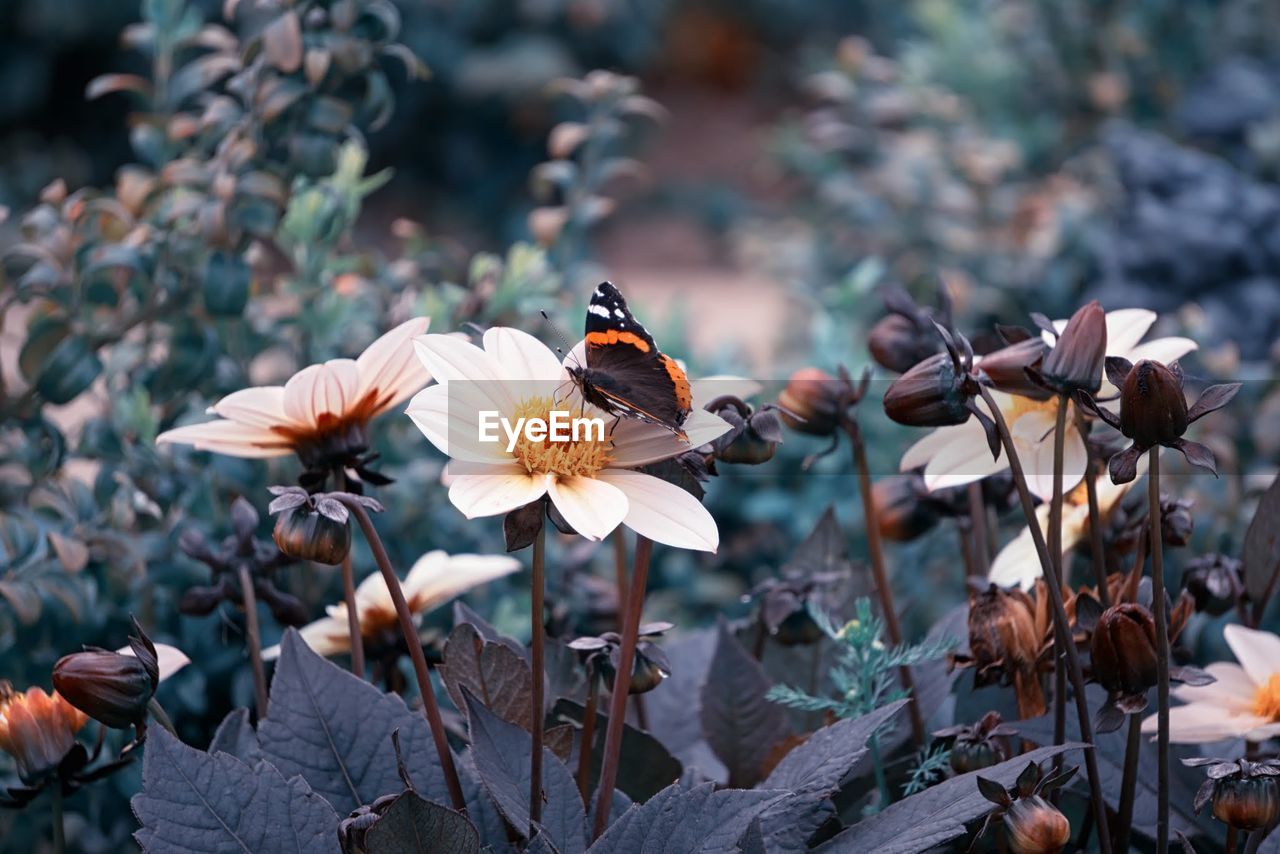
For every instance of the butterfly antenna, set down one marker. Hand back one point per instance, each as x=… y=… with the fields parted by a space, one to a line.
x=566 y=351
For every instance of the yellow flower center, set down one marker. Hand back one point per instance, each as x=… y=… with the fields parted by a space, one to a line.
x=583 y=454
x=1266 y=703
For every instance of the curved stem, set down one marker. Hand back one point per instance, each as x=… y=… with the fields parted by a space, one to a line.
x=411 y=639
x=353 y=617
x=621 y=681
x=1128 y=783
x=875 y=550
x=1162 y=650
x=59 y=830
x=537 y=712
x=253 y=637
x=1061 y=626
x=978 y=528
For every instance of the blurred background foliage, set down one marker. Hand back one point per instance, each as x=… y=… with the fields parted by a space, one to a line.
x=251 y=187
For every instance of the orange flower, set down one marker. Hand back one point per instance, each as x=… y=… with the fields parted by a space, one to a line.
x=37 y=729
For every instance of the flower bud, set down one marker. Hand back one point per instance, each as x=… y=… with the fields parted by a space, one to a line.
x=1247 y=803
x=979 y=746
x=1036 y=827
x=1153 y=410
x=754 y=437
x=1006 y=368
x=1124 y=649
x=928 y=395
x=898 y=343
x=903 y=509
x=1176 y=521
x=110 y=687
x=648 y=669
x=304 y=533
x=1215 y=582
x=815 y=396
x=798 y=629
x=1002 y=630
x=37 y=730
x=1076 y=360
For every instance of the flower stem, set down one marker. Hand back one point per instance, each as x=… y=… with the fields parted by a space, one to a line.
x=1232 y=835
x=1097 y=554
x=254 y=638
x=353 y=617
x=1061 y=626
x=536 y=701
x=1128 y=783
x=411 y=639
x=588 y=732
x=875 y=550
x=978 y=528
x=620 y=568
x=349 y=597
x=1055 y=554
x=1162 y=650
x=621 y=681
x=59 y=831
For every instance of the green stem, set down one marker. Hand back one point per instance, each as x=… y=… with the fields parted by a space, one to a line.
x=621 y=681
x=1061 y=625
x=877 y=764
x=1162 y=650
x=253 y=637
x=414 y=643
x=536 y=617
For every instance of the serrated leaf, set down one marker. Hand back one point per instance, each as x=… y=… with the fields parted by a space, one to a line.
x=739 y=723
x=824 y=550
x=812 y=773
x=937 y=814
x=697 y=820
x=335 y=731
x=647 y=766
x=1261 y=552
x=414 y=824
x=491 y=671
x=236 y=736
x=192 y=801
x=501 y=751
x=673 y=708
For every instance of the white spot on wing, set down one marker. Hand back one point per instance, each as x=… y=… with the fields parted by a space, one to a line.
x=598 y=310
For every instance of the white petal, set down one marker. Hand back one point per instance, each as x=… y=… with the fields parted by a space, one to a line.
x=1257 y=651
x=1033 y=437
x=437 y=577
x=500 y=490
x=708 y=389
x=390 y=369
x=1019 y=562
x=257 y=407
x=451 y=422
x=1125 y=328
x=522 y=357
x=926 y=448
x=592 y=507
x=664 y=512
x=326 y=636
x=1232 y=692
x=1263 y=732
x=452 y=359
x=169 y=659
x=637 y=443
x=1198 y=723
x=322 y=390
x=962 y=461
x=1164 y=350
x=230 y=438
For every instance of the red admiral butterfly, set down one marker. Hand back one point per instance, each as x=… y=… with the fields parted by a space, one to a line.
x=625 y=373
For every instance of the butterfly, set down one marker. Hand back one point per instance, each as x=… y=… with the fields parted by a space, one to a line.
x=625 y=373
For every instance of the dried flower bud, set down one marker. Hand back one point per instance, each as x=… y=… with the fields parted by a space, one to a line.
x=37 y=729
x=110 y=687
x=982 y=745
x=754 y=435
x=904 y=510
x=1124 y=650
x=1176 y=521
x=1006 y=368
x=1076 y=360
x=649 y=667
x=200 y=600
x=306 y=533
x=1153 y=410
x=931 y=394
x=815 y=396
x=1215 y=581
x=898 y=342
x=1004 y=644
x=1247 y=803
x=1035 y=826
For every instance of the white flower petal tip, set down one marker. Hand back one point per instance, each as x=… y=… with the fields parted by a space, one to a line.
x=169 y=659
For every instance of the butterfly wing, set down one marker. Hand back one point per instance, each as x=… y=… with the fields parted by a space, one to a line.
x=627 y=370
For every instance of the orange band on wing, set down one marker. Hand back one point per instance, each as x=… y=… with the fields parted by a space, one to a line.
x=613 y=336
x=684 y=395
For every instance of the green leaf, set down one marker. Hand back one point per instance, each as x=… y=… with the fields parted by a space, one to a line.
x=741 y=724
x=413 y=824
x=697 y=820
x=1261 y=553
